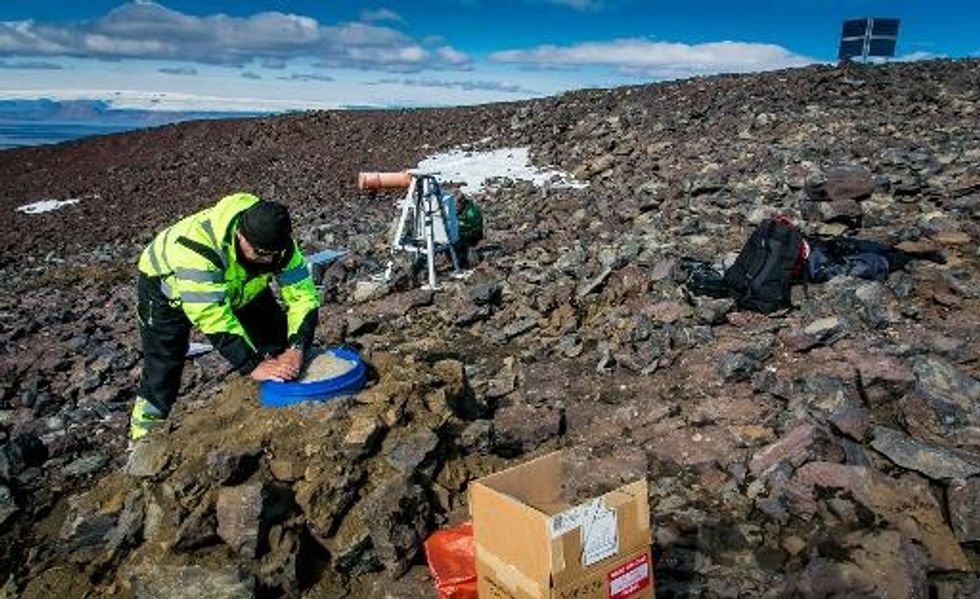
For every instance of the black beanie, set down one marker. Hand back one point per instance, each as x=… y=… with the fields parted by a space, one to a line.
x=266 y=226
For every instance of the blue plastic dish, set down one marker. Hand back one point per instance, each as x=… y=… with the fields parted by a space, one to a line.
x=273 y=394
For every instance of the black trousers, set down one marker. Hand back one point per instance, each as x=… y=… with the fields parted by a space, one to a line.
x=840 y=248
x=165 y=333
x=463 y=249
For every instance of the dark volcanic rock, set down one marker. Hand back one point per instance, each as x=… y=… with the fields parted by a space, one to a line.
x=740 y=364
x=953 y=395
x=129 y=527
x=898 y=503
x=397 y=514
x=934 y=461
x=518 y=428
x=881 y=564
x=86 y=464
x=573 y=330
x=841 y=183
x=8 y=507
x=198 y=529
x=964 y=508
x=407 y=454
x=802 y=444
x=324 y=500
x=191 y=582
x=239 y=513
x=19 y=454
x=231 y=468
x=486 y=293
x=148 y=459
x=86 y=527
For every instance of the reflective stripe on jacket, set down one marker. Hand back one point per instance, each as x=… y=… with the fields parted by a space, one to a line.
x=199 y=270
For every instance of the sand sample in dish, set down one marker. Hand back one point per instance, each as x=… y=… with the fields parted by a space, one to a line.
x=325 y=366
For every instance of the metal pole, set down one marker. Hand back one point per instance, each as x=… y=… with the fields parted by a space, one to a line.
x=445 y=226
x=430 y=232
x=866 y=48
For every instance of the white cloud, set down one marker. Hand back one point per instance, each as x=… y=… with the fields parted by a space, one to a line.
x=27 y=38
x=577 y=4
x=496 y=86
x=910 y=57
x=251 y=75
x=452 y=55
x=178 y=70
x=363 y=34
x=273 y=63
x=150 y=30
x=665 y=60
x=919 y=55
x=31 y=65
x=383 y=14
x=307 y=77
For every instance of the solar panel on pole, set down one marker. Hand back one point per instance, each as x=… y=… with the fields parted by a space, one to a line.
x=881 y=47
x=868 y=37
x=852 y=39
x=850 y=48
x=884 y=28
x=854 y=28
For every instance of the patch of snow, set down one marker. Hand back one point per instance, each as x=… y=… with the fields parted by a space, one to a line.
x=45 y=206
x=473 y=169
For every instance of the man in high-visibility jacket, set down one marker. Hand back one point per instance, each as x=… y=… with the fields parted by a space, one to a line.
x=211 y=270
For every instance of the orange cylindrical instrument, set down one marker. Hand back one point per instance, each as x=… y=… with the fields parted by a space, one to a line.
x=372 y=181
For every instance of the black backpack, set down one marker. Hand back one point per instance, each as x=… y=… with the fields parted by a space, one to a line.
x=769 y=262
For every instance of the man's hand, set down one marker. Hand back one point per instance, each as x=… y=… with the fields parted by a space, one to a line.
x=272 y=370
x=292 y=360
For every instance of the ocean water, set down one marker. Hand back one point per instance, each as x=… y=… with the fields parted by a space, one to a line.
x=17 y=133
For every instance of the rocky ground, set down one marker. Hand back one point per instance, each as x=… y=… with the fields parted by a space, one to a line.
x=829 y=451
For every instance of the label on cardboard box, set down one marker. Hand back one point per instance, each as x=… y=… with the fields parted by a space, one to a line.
x=568 y=520
x=629 y=578
x=600 y=537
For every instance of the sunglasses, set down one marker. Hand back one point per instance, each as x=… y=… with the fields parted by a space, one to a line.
x=267 y=253
x=262 y=253
x=267 y=256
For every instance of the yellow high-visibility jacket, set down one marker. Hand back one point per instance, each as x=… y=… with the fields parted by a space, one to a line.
x=199 y=271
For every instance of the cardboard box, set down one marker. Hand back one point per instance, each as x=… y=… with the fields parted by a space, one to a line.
x=530 y=544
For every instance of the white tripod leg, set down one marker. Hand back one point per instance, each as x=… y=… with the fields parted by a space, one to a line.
x=407 y=204
x=396 y=242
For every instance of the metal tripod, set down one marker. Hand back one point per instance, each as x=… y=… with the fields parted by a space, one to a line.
x=424 y=226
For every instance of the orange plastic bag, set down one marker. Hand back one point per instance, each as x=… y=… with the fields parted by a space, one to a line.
x=449 y=552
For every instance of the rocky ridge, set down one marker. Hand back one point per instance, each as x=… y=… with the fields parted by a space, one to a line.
x=831 y=450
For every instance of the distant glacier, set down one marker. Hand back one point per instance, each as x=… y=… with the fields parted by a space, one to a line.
x=32 y=122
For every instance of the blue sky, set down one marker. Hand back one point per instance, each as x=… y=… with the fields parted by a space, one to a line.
x=247 y=54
